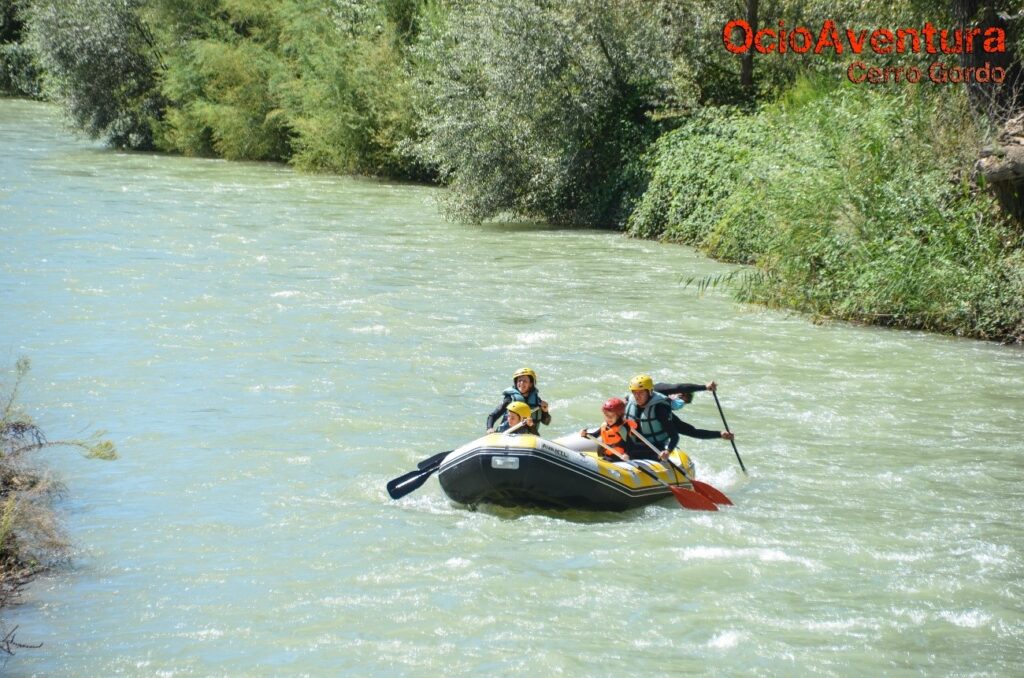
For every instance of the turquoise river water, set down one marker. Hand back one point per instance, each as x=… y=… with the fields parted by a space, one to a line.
x=267 y=349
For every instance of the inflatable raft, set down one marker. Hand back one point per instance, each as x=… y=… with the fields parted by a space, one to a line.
x=526 y=470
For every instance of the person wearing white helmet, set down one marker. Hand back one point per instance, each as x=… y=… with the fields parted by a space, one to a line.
x=524 y=390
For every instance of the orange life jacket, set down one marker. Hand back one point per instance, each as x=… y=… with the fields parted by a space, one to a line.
x=614 y=436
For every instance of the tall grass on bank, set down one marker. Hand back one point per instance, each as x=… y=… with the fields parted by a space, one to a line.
x=852 y=203
x=31 y=538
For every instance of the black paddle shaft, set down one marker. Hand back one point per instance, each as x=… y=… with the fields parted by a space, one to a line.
x=726 y=424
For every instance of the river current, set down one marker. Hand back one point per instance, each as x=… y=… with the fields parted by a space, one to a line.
x=267 y=349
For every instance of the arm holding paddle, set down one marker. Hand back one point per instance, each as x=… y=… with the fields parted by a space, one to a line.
x=497 y=413
x=726 y=425
x=700 y=433
x=682 y=393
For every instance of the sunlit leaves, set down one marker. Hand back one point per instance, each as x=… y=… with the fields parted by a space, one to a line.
x=542 y=110
x=99 y=61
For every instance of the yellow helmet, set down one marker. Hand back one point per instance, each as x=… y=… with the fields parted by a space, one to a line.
x=520 y=408
x=641 y=382
x=524 y=371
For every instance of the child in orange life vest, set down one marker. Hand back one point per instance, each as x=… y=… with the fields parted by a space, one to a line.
x=615 y=432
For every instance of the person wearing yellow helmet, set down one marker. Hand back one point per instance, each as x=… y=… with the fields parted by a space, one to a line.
x=517 y=412
x=652 y=413
x=524 y=390
x=651 y=410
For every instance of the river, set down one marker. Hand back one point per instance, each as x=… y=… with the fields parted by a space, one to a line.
x=267 y=349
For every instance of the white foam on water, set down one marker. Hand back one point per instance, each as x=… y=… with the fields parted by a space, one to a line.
x=725 y=640
x=372 y=329
x=969 y=619
x=763 y=555
x=532 y=338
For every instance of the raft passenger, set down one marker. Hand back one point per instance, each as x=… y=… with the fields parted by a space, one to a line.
x=652 y=412
x=517 y=412
x=616 y=432
x=524 y=390
x=681 y=394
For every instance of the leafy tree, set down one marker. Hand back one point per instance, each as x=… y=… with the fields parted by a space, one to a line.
x=100 y=61
x=18 y=71
x=10 y=23
x=222 y=66
x=541 y=109
x=348 y=98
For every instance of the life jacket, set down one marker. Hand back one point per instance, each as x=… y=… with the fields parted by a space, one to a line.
x=503 y=426
x=615 y=436
x=533 y=400
x=650 y=427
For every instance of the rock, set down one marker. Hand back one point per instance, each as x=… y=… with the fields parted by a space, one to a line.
x=1002 y=166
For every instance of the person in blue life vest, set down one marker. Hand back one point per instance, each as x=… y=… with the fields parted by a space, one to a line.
x=681 y=394
x=616 y=432
x=517 y=412
x=524 y=390
x=652 y=413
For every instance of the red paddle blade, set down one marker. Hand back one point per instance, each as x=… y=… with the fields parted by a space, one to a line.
x=693 y=501
x=711 y=493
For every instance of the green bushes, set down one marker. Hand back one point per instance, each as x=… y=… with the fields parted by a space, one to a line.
x=222 y=103
x=98 y=59
x=853 y=201
x=18 y=72
x=348 y=99
x=696 y=168
x=322 y=84
x=853 y=204
x=541 y=110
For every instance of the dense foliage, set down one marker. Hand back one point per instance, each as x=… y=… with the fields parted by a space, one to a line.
x=542 y=110
x=98 y=60
x=856 y=202
x=18 y=71
x=852 y=203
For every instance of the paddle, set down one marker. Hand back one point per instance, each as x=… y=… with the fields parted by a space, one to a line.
x=431 y=461
x=686 y=498
x=726 y=424
x=413 y=480
x=703 y=488
x=709 y=491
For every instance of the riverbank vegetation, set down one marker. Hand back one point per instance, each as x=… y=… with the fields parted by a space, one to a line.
x=852 y=200
x=31 y=538
x=850 y=203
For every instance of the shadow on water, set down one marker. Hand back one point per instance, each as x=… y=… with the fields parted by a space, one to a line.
x=519 y=226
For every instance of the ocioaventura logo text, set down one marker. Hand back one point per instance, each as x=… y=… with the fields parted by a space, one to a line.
x=739 y=37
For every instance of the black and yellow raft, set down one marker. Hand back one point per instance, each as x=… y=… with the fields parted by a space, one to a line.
x=527 y=470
